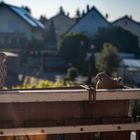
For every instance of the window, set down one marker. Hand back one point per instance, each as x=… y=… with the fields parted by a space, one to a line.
x=9 y=40
x=125 y=23
x=17 y=41
x=2 y=40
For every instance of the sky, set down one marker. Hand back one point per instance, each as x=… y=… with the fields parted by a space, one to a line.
x=114 y=8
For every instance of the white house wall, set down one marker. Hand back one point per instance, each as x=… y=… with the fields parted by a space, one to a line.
x=10 y=22
x=130 y=26
x=90 y=23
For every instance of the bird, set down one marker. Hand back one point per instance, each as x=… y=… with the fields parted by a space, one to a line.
x=106 y=82
x=3 y=71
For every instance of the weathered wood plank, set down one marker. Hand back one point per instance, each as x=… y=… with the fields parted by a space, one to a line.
x=66 y=95
x=70 y=129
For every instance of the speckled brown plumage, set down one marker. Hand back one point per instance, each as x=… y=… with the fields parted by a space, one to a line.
x=105 y=82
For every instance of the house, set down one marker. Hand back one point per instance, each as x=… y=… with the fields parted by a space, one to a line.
x=126 y=55
x=129 y=69
x=90 y=23
x=61 y=23
x=129 y=24
x=56 y=26
x=18 y=27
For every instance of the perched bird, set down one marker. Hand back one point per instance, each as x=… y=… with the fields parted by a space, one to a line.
x=3 y=71
x=106 y=82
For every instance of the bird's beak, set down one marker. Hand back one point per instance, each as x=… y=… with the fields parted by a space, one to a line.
x=4 y=60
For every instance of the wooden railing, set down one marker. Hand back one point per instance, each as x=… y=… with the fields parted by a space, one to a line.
x=68 y=112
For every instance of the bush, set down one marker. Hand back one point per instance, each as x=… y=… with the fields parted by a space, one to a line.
x=124 y=40
x=33 y=83
x=73 y=48
x=108 y=59
x=72 y=73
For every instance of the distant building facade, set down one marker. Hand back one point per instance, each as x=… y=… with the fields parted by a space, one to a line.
x=129 y=69
x=17 y=27
x=129 y=24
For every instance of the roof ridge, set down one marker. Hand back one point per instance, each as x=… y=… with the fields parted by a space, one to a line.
x=129 y=18
x=58 y=14
x=7 y=4
x=24 y=14
x=90 y=10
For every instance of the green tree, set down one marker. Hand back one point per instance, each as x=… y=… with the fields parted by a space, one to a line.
x=72 y=73
x=61 y=10
x=88 y=8
x=78 y=14
x=51 y=37
x=43 y=19
x=123 y=39
x=83 y=13
x=108 y=59
x=27 y=9
x=73 y=48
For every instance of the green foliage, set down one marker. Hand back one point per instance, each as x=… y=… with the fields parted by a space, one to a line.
x=73 y=48
x=123 y=39
x=78 y=14
x=27 y=9
x=61 y=10
x=43 y=19
x=32 y=83
x=108 y=59
x=50 y=36
x=72 y=73
x=134 y=109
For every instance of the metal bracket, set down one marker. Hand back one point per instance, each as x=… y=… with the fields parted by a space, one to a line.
x=91 y=91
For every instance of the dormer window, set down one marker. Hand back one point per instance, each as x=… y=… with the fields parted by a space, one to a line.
x=125 y=23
